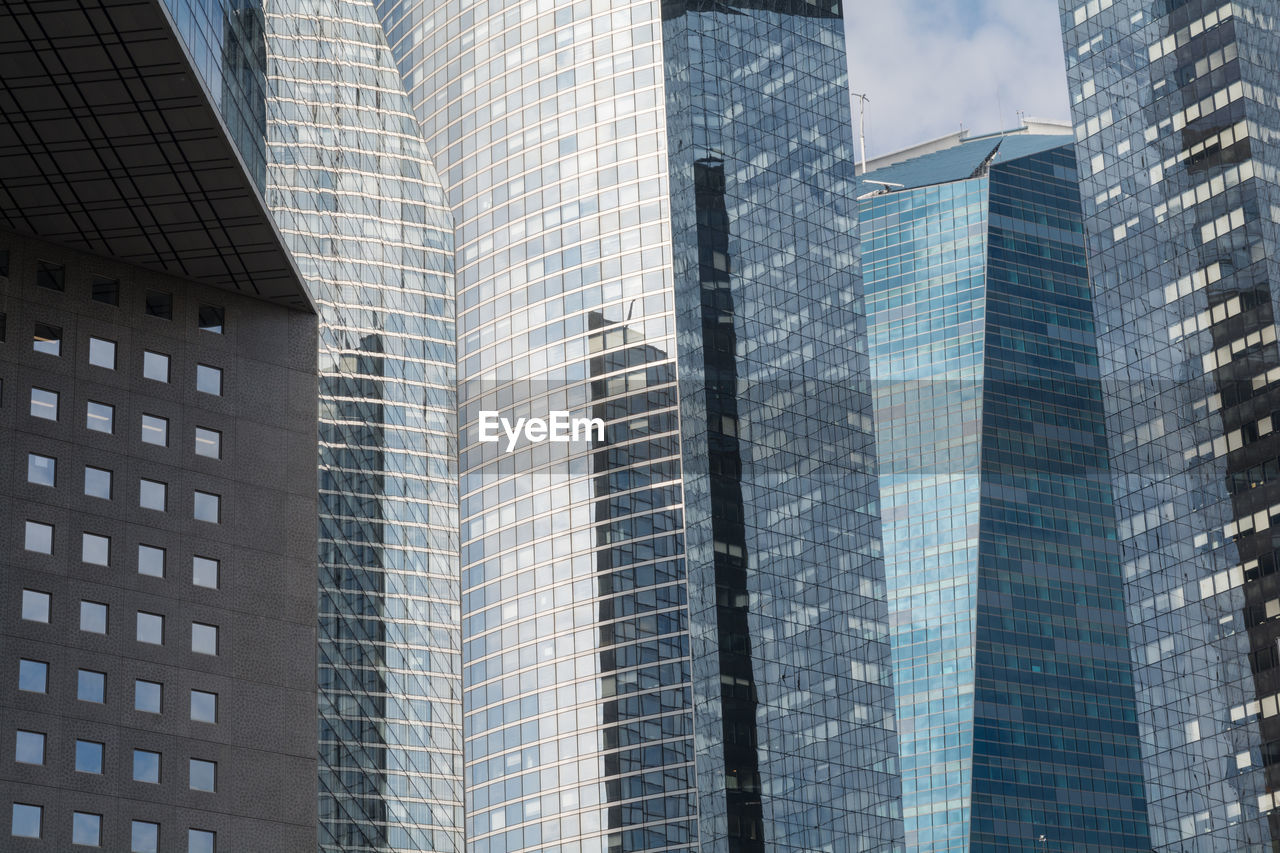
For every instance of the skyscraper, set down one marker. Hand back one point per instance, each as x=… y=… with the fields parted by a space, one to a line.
x=1175 y=123
x=157 y=437
x=674 y=636
x=1015 y=699
x=363 y=214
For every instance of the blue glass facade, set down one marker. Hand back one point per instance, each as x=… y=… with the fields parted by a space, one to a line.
x=674 y=637
x=363 y=213
x=1015 y=700
x=1175 y=116
x=227 y=44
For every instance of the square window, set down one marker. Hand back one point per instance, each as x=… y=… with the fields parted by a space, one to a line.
x=47 y=339
x=150 y=628
x=146 y=696
x=95 y=549
x=97 y=482
x=39 y=537
x=33 y=676
x=208 y=507
x=41 y=470
x=204 y=572
x=44 y=404
x=204 y=638
x=88 y=757
x=203 y=775
x=151 y=494
x=204 y=706
x=28 y=748
x=100 y=417
x=160 y=304
x=146 y=766
x=86 y=829
x=35 y=606
x=144 y=837
x=212 y=318
x=102 y=353
x=26 y=820
x=91 y=686
x=209 y=379
x=208 y=443
x=151 y=561
x=200 y=841
x=50 y=275
x=155 y=366
x=105 y=290
x=93 y=617
x=155 y=430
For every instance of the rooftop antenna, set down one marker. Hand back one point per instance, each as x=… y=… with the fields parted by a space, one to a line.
x=1022 y=117
x=862 y=127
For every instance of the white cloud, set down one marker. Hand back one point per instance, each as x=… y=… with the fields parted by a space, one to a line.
x=931 y=65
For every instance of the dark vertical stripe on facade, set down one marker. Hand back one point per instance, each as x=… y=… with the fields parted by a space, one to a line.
x=719 y=347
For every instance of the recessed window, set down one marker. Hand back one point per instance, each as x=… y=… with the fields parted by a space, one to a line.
x=150 y=628
x=151 y=561
x=44 y=404
x=97 y=482
x=4 y=326
x=204 y=572
x=95 y=549
x=47 y=339
x=155 y=430
x=155 y=366
x=28 y=747
x=209 y=379
x=88 y=757
x=204 y=706
x=39 y=537
x=102 y=353
x=33 y=676
x=26 y=820
x=100 y=417
x=203 y=775
x=200 y=841
x=146 y=696
x=105 y=290
x=152 y=494
x=35 y=606
x=146 y=766
x=144 y=837
x=41 y=470
x=93 y=617
x=91 y=686
x=4 y=262
x=160 y=304
x=204 y=638
x=208 y=443
x=208 y=507
x=51 y=276
x=212 y=318
x=86 y=829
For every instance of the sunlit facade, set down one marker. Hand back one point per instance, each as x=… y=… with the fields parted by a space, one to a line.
x=674 y=638
x=1176 y=125
x=312 y=97
x=1015 y=700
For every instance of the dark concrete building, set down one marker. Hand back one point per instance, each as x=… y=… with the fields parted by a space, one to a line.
x=158 y=418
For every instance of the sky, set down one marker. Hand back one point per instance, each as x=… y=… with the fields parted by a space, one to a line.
x=930 y=66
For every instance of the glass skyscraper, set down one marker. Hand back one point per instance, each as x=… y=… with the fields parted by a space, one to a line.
x=673 y=637
x=1176 y=122
x=313 y=101
x=1011 y=660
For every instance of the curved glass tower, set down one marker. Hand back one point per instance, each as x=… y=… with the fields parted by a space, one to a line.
x=674 y=635
x=362 y=210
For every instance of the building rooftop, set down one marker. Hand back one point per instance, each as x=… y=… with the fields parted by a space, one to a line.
x=958 y=156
